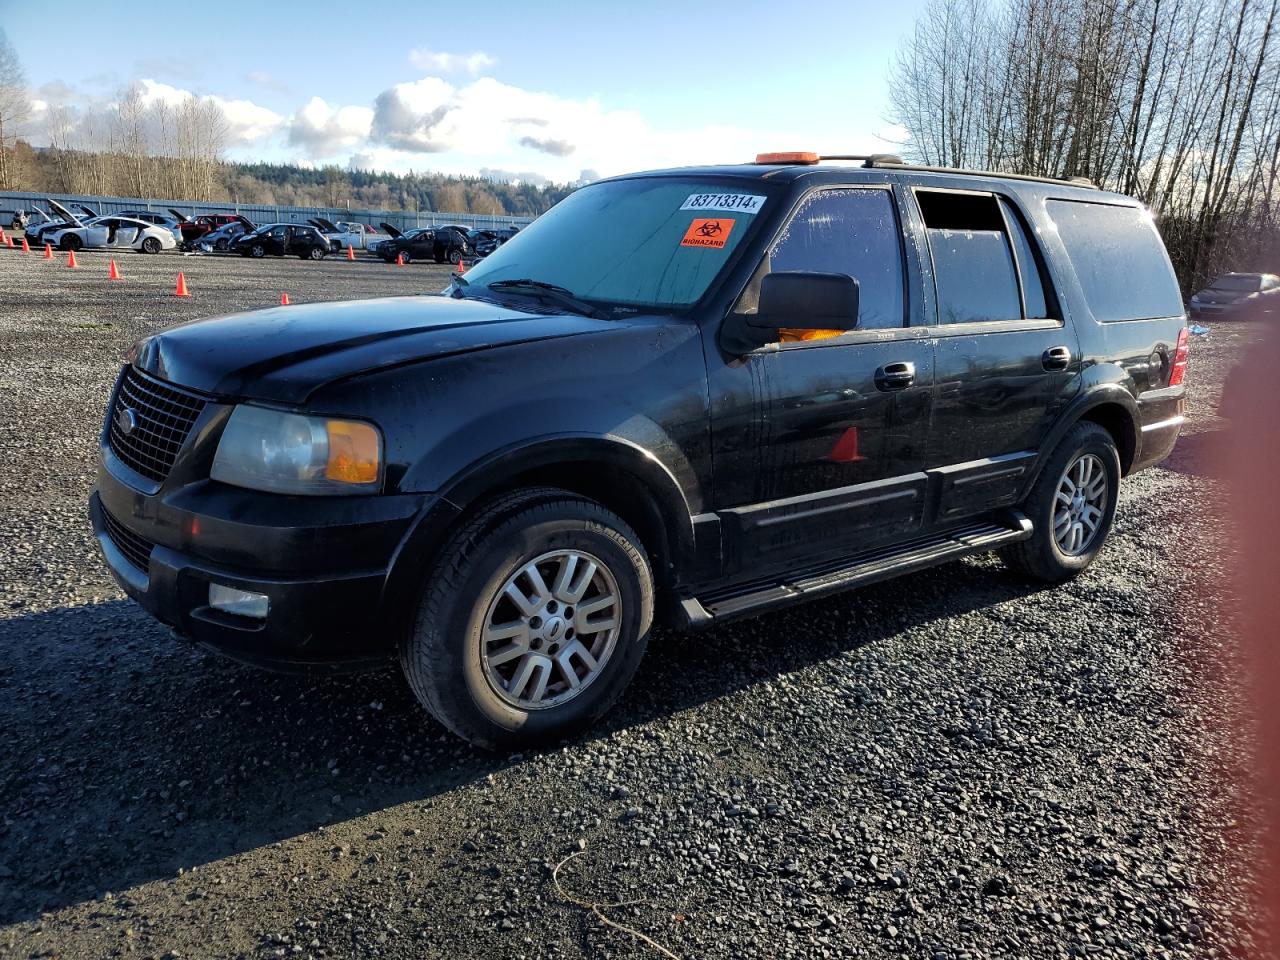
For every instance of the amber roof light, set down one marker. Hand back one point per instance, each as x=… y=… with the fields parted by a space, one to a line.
x=795 y=156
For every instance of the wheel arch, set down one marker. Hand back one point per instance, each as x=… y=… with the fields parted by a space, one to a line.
x=1111 y=407
x=617 y=474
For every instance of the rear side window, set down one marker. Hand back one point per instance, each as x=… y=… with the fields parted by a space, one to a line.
x=1119 y=259
x=854 y=232
x=984 y=266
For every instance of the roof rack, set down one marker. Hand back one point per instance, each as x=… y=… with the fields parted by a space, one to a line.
x=882 y=161
x=890 y=161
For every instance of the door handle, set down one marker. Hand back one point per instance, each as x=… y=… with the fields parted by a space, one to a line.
x=895 y=376
x=1056 y=358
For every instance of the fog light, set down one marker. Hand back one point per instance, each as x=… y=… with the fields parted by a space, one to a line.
x=242 y=603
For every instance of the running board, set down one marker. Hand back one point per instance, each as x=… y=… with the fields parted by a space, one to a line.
x=856 y=571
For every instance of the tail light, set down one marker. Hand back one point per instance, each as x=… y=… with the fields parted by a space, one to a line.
x=1179 y=369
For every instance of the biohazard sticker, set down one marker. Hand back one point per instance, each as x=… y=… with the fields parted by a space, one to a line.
x=711 y=233
x=729 y=202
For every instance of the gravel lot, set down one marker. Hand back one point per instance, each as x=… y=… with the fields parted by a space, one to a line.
x=954 y=765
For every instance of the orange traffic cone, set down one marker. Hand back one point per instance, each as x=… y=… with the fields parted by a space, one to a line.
x=462 y=266
x=351 y=254
x=71 y=259
x=399 y=259
x=182 y=290
x=48 y=252
x=284 y=299
x=114 y=272
x=26 y=247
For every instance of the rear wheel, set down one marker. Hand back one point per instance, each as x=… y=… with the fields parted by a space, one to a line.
x=1072 y=507
x=151 y=245
x=315 y=253
x=533 y=622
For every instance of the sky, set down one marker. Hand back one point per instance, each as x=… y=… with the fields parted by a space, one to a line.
x=558 y=91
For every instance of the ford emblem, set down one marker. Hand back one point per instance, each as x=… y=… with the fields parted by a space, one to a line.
x=126 y=420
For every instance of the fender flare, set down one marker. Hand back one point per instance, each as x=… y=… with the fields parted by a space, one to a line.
x=1102 y=394
x=667 y=505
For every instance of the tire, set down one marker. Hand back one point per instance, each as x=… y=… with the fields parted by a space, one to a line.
x=405 y=256
x=71 y=242
x=257 y=251
x=315 y=253
x=466 y=683
x=455 y=257
x=1084 y=454
x=150 y=245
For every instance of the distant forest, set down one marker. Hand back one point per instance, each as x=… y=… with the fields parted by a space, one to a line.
x=194 y=177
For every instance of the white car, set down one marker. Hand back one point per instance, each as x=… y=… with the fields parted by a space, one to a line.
x=114 y=233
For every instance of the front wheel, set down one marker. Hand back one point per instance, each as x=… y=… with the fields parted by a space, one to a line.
x=71 y=242
x=533 y=622
x=1072 y=507
x=151 y=245
x=257 y=251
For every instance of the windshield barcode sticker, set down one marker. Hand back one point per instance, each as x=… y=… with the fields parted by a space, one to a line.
x=728 y=202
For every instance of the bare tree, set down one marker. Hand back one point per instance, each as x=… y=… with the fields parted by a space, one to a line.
x=15 y=106
x=1173 y=101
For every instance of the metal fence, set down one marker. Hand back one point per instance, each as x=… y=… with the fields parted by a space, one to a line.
x=263 y=213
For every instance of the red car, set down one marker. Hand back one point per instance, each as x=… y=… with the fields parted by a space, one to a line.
x=192 y=230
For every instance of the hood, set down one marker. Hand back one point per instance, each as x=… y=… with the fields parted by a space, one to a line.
x=1211 y=295
x=284 y=354
x=179 y=215
x=67 y=216
x=391 y=231
x=325 y=226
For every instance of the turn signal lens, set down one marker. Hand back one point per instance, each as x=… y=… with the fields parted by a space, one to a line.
x=795 y=156
x=1178 y=371
x=353 y=452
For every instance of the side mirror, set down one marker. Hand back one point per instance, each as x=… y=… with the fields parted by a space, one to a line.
x=801 y=300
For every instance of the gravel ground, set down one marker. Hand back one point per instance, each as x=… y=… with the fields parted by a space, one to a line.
x=953 y=765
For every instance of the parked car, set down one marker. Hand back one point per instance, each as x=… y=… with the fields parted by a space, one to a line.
x=281 y=240
x=342 y=235
x=171 y=224
x=452 y=244
x=484 y=242
x=740 y=394
x=37 y=231
x=194 y=228
x=1238 y=296
x=115 y=233
x=417 y=244
x=222 y=238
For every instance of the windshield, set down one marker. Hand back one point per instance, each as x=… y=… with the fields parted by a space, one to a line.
x=652 y=242
x=1242 y=282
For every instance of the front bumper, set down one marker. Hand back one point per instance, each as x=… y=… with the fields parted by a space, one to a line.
x=324 y=564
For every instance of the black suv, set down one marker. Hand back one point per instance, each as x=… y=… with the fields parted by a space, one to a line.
x=755 y=385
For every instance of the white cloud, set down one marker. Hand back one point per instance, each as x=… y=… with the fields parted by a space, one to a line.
x=247 y=122
x=323 y=130
x=430 y=60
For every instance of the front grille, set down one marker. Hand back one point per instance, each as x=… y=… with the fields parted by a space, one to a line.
x=163 y=416
x=136 y=549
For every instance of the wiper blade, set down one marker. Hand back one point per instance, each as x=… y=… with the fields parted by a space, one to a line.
x=549 y=291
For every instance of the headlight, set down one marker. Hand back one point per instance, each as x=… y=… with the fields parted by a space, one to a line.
x=288 y=453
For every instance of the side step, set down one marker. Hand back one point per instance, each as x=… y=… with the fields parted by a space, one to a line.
x=855 y=571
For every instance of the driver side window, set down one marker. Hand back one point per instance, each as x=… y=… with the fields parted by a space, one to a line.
x=854 y=232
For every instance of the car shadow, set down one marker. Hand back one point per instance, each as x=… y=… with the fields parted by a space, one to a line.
x=131 y=755
x=1202 y=454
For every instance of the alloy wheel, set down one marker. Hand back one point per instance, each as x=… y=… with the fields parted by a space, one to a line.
x=550 y=630
x=1079 y=505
